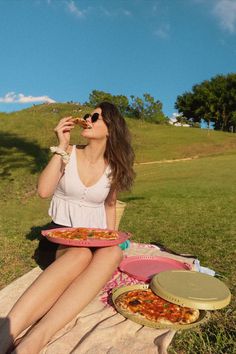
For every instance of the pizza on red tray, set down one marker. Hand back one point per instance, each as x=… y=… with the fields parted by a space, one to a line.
x=82 y=233
x=145 y=304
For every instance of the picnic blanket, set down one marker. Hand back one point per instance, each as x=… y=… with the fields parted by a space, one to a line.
x=99 y=329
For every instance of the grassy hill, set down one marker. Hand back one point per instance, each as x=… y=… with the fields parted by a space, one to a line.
x=151 y=142
x=187 y=206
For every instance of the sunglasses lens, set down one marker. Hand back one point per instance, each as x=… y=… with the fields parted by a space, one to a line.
x=87 y=115
x=94 y=117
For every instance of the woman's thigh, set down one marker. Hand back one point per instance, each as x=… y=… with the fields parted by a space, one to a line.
x=112 y=255
x=61 y=250
x=75 y=256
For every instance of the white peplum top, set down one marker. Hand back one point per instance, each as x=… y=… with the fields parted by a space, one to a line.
x=75 y=205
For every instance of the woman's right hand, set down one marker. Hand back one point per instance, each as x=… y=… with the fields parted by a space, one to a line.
x=62 y=131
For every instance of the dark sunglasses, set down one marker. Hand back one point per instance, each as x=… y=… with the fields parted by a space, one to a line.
x=94 y=117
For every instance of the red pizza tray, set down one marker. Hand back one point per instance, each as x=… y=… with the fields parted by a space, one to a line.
x=144 y=267
x=122 y=237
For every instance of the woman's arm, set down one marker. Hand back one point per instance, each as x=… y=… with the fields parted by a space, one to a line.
x=50 y=176
x=110 y=207
x=54 y=170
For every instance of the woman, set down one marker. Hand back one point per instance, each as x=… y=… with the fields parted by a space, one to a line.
x=84 y=182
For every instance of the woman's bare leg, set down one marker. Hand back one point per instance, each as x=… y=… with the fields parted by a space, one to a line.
x=44 y=292
x=81 y=291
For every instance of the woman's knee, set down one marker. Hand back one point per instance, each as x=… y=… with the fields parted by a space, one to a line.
x=114 y=253
x=78 y=254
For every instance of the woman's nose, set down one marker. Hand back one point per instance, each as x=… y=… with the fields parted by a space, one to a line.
x=88 y=119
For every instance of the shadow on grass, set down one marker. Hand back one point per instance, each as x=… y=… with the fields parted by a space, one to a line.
x=35 y=232
x=166 y=249
x=45 y=253
x=130 y=199
x=11 y=146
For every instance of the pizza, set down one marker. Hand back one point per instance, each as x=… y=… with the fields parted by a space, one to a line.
x=82 y=122
x=82 y=233
x=145 y=304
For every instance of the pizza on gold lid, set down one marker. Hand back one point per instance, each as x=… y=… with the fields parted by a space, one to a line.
x=145 y=304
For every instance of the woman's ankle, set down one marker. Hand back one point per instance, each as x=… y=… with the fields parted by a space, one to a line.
x=32 y=342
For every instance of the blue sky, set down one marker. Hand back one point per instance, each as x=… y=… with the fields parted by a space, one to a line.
x=60 y=50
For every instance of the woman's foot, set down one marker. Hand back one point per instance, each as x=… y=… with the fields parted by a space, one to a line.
x=31 y=342
x=23 y=347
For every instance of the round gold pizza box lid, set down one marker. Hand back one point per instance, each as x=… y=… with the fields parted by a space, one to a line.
x=191 y=289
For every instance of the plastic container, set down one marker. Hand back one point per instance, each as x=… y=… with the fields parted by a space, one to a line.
x=191 y=289
x=203 y=317
x=144 y=267
x=185 y=288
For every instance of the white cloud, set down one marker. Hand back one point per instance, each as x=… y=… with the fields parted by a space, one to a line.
x=115 y=12
x=225 y=10
x=72 y=7
x=160 y=7
x=105 y=11
x=163 y=31
x=75 y=10
x=12 y=97
x=127 y=13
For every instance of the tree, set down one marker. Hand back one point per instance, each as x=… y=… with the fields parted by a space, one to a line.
x=147 y=109
x=212 y=100
x=120 y=101
x=136 y=108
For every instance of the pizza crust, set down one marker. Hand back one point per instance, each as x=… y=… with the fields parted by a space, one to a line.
x=193 y=316
x=82 y=122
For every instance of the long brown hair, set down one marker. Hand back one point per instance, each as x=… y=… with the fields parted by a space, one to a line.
x=119 y=153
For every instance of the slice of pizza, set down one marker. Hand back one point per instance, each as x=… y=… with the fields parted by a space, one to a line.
x=104 y=234
x=82 y=123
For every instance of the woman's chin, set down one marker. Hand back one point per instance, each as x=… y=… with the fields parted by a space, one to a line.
x=86 y=133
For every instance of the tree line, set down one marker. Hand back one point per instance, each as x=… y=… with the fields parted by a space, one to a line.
x=143 y=108
x=213 y=101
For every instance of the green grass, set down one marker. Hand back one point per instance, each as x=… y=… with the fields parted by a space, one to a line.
x=190 y=208
x=187 y=206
